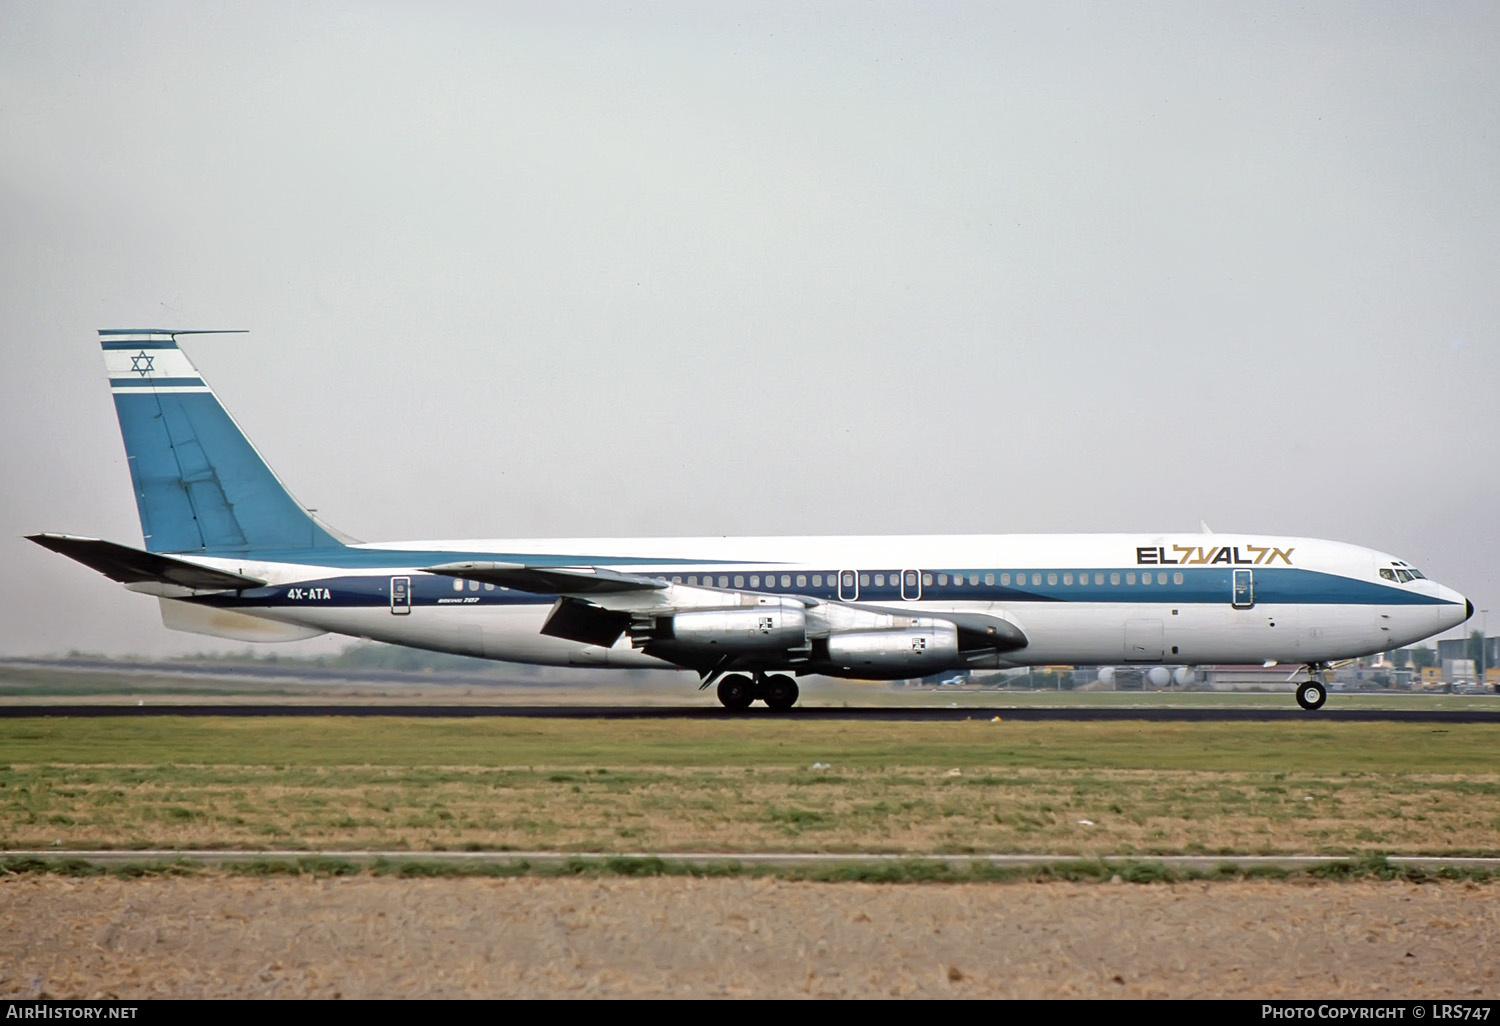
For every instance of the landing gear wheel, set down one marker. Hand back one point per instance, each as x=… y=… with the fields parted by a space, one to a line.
x=1311 y=695
x=736 y=691
x=781 y=692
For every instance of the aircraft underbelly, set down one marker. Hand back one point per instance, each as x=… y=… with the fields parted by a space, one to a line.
x=511 y=634
x=1180 y=634
x=1074 y=633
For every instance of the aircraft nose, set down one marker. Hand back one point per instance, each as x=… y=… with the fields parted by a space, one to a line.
x=1468 y=609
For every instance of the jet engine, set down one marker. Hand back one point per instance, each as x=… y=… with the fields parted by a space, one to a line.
x=902 y=652
x=722 y=631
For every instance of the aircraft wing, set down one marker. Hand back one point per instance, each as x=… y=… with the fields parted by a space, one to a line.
x=548 y=580
x=596 y=606
x=133 y=566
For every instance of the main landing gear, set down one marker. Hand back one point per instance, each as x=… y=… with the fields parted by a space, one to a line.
x=1312 y=693
x=737 y=691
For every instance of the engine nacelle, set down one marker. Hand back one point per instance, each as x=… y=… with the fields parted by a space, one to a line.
x=911 y=651
x=752 y=629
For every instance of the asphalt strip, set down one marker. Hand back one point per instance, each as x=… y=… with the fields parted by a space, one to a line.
x=782 y=859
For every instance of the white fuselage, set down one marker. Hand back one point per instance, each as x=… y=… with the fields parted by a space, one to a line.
x=1079 y=599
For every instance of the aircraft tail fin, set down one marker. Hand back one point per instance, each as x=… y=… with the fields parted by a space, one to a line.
x=199 y=483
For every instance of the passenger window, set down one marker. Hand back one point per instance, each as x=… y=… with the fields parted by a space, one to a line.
x=989 y=579
x=927 y=580
x=1005 y=578
x=942 y=579
x=911 y=580
x=1177 y=577
x=739 y=580
x=786 y=580
x=1098 y=578
x=864 y=580
x=473 y=585
x=801 y=580
x=880 y=580
x=754 y=581
x=1051 y=578
x=1036 y=578
x=458 y=584
x=1161 y=577
x=489 y=587
x=1067 y=578
x=817 y=580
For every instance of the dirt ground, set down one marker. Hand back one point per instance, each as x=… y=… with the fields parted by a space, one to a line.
x=377 y=937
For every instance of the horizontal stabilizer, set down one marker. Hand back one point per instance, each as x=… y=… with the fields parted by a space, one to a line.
x=133 y=566
x=548 y=580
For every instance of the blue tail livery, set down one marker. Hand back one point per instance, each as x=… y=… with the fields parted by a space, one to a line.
x=200 y=486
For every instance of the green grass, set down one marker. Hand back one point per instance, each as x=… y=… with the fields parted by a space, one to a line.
x=746 y=785
x=298 y=743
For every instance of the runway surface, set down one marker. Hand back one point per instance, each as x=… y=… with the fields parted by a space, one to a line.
x=704 y=712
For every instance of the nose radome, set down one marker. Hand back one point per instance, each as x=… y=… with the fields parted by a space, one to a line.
x=1468 y=609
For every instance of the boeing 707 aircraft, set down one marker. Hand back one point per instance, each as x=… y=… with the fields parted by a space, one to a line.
x=228 y=552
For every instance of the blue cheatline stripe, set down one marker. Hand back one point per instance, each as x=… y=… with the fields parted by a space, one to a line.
x=1280 y=587
x=373 y=559
x=156 y=382
x=139 y=344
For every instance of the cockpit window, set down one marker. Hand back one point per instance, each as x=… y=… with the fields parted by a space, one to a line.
x=1401 y=572
x=1406 y=572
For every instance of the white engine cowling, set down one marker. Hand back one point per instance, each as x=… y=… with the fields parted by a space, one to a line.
x=1184 y=675
x=919 y=650
x=1159 y=676
x=755 y=629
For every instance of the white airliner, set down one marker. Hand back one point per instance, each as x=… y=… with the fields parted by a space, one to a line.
x=229 y=552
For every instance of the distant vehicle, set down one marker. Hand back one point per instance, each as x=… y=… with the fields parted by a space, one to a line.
x=228 y=552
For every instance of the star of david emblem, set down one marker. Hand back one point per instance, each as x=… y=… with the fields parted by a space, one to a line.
x=141 y=363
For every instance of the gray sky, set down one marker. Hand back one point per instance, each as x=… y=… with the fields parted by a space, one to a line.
x=762 y=268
